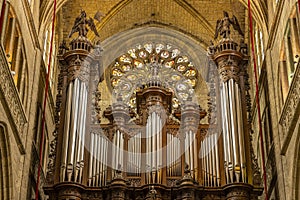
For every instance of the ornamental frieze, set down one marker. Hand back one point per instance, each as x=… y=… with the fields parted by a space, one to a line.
x=12 y=99
x=290 y=113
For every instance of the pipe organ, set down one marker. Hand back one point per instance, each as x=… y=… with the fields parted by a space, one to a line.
x=97 y=169
x=154 y=145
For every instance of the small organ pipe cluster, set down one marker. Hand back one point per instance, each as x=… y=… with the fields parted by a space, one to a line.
x=151 y=149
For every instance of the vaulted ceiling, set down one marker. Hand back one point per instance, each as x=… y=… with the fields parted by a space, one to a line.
x=195 y=18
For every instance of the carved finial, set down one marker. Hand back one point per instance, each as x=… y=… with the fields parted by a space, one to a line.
x=63 y=47
x=211 y=48
x=223 y=26
x=243 y=47
x=81 y=23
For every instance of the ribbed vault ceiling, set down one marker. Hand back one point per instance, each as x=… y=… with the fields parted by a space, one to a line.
x=196 y=18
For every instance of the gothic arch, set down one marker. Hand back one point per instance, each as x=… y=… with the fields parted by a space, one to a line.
x=5 y=166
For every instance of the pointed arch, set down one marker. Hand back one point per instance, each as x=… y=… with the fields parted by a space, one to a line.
x=5 y=164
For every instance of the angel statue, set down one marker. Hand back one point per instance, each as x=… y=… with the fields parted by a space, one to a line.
x=81 y=23
x=223 y=26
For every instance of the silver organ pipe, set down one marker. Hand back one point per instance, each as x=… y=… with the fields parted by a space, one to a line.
x=159 y=149
x=228 y=135
x=100 y=161
x=104 y=171
x=97 y=168
x=208 y=146
x=74 y=132
x=148 y=150
x=235 y=135
x=210 y=160
x=168 y=153
x=241 y=134
x=139 y=157
x=186 y=154
x=233 y=132
x=73 y=127
x=97 y=157
x=173 y=156
x=121 y=149
x=196 y=158
x=92 y=138
x=78 y=134
x=206 y=163
x=94 y=160
x=82 y=135
x=217 y=159
x=117 y=155
x=212 y=156
x=225 y=131
x=114 y=152
x=66 y=131
x=131 y=161
x=202 y=155
x=153 y=148
x=191 y=155
x=134 y=155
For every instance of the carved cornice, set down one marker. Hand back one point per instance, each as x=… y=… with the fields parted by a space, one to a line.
x=229 y=57
x=13 y=103
x=291 y=110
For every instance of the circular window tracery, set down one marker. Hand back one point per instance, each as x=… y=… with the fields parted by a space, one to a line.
x=153 y=62
x=148 y=53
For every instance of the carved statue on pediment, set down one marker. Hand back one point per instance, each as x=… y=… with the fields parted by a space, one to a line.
x=81 y=23
x=223 y=26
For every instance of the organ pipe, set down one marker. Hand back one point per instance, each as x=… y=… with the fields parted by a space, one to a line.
x=66 y=131
x=134 y=152
x=97 y=168
x=153 y=148
x=91 y=159
x=74 y=129
x=173 y=155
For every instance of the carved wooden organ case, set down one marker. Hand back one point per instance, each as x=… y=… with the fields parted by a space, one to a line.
x=154 y=146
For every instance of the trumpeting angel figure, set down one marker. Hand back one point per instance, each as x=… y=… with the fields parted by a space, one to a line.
x=81 y=23
x=223 y=26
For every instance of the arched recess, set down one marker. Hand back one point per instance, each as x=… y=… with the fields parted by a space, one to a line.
x=5 y=166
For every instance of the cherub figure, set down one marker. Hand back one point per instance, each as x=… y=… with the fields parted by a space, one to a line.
x=223 y=26
x=152 y=193
x=81 y=23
